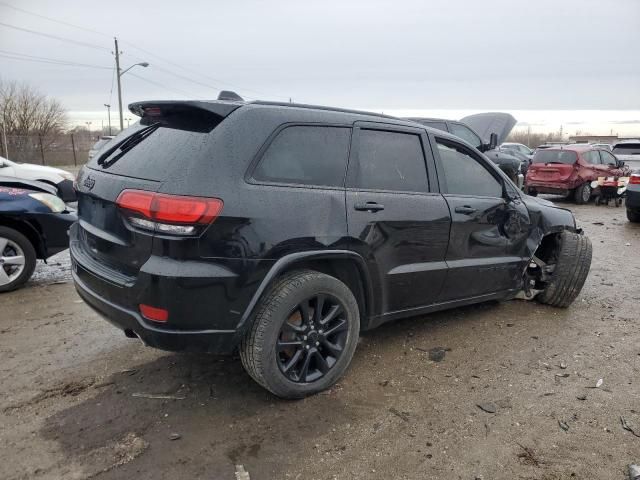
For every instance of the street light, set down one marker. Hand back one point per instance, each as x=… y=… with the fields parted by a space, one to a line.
x=128 y=120
x=109 y=115
x=120 y=73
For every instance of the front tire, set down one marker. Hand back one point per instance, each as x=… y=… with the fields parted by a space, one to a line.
x=583 y=193
x=17 y=259
x=303 y=336
x=633 y=215
x=571 y=270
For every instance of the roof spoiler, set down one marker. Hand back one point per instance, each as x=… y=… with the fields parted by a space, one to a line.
x=161 y=107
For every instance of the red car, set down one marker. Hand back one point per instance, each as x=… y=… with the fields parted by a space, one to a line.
x=569 y=170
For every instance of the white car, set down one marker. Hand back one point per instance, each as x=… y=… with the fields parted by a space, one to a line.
x=61 y=179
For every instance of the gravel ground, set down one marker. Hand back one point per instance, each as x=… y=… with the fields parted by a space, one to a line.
x=79 y=400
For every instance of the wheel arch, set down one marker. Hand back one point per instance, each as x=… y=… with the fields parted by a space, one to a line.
x=29 y=231
x=345 y=265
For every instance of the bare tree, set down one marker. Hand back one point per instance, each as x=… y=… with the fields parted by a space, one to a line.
x=26 y=111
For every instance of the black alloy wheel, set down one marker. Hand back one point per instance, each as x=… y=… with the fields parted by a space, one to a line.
x=312 y=338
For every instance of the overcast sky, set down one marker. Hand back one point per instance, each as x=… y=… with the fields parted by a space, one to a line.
x=372 y=54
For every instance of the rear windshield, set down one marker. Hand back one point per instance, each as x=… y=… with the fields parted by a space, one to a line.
x=555 y=156
x=177 y=144
x=627 y=149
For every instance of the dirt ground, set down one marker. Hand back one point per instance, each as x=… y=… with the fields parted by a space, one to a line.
x=77 y=397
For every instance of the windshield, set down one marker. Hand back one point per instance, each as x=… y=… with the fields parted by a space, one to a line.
x=555 y=156
x=627 y=149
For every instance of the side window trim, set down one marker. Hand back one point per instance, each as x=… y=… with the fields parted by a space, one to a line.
x=354 y=155
x=479 y=159
x=253 y=165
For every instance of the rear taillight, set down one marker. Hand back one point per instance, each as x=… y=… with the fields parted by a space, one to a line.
x=172 y=214
x=635 y=179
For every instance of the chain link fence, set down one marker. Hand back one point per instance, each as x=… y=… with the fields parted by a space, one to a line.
x=58 y=150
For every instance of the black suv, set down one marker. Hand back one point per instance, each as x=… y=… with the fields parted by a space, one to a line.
x=283 y=230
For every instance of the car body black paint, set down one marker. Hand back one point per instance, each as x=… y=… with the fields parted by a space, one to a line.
x=212 y=283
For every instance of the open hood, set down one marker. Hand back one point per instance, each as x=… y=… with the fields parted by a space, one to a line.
x=485 y=124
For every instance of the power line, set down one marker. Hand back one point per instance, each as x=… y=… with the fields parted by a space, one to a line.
x=62 y=39
x=182 y=67
x=5 y=4
x=161 y=85
x=221 y=82
x=51 y=62
x=98 y=47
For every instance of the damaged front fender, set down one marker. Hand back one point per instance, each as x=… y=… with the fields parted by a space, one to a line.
x=546 y=218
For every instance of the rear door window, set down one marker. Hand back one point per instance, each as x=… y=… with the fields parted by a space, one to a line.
x=307 y=155
x=464 y=174
x=390 y=161
x=607 y=158
x=592 y=157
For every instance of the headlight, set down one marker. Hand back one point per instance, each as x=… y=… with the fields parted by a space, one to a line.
x=68 y=176
x=54 y=203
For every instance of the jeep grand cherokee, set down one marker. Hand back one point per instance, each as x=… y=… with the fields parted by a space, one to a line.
x=283 y=230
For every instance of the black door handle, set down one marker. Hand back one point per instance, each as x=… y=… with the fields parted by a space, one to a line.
x=466 y=210
x=369 y=206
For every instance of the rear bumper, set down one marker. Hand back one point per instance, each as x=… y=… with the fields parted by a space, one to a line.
x=205 y=298
x=213 y=341
x=545 y=187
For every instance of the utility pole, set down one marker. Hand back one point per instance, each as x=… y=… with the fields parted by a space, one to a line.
x=119 y=86
x=109 y=115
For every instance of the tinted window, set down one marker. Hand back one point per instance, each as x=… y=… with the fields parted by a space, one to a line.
x=555 y=156
x=592 y=157
x=465 y=133
x=306 y=155
x=389 y=161
x=465 y=175
x=607 y=158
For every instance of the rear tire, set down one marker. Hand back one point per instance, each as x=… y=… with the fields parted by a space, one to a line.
x=281 y=313
x=633 y=215
x=13 y=246
x=583 y=193
x=531 y=191
x=572 y=268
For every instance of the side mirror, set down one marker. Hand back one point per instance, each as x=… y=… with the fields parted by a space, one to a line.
x=493 y=141
x=2 y=165
x=619 y=163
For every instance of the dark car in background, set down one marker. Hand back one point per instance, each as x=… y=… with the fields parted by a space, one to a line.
x=569 y=170
x=632 y=200
x=282 y=230
x=33 y=225
x=477 y=130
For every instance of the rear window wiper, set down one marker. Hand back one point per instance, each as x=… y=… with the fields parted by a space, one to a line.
x=125 y=145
